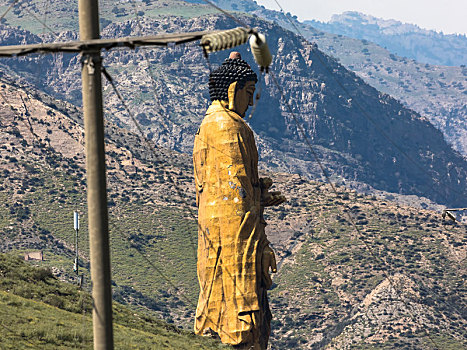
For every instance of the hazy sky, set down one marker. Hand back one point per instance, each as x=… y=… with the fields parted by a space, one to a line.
x=449 y=16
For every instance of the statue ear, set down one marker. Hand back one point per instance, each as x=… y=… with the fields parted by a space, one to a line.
x=231 y=95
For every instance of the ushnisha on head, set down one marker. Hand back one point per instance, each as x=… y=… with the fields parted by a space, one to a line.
x=233 y=82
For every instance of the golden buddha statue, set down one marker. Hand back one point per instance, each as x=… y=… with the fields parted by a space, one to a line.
x=234 y=256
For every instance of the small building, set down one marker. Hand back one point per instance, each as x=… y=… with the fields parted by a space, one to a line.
x=34 y=256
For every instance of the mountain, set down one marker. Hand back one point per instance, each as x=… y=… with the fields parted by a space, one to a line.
x=400 y=275
x=361 y=135
x=402 y=39
x=388 y=285
x=436 y=92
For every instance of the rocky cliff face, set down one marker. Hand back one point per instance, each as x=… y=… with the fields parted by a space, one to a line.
x=434 y=91
x=360 y=134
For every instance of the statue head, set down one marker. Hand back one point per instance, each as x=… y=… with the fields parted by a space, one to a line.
x=233 y=82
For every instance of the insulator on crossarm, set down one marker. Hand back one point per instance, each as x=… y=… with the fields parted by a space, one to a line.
x=224 y=40
x=260 y=50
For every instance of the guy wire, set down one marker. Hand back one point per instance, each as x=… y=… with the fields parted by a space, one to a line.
x=140 y=130
x=152 y=149
x=8 y=9
x=237 y=20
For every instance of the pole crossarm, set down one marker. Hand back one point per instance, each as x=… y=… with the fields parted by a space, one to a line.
x=98 y=44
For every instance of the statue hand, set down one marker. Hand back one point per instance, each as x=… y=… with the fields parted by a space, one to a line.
x=265 y=183
x=269 y=199
x=268 y=261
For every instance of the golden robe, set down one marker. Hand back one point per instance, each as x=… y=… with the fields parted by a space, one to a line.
x=232 y=300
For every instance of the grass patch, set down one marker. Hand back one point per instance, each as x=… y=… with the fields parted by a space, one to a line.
x=40 y=311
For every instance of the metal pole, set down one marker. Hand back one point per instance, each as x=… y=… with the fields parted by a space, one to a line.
x=96 y=179
x=76 y=226
x=76 y=255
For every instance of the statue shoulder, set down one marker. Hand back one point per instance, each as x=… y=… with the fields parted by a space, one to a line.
x=223 y=121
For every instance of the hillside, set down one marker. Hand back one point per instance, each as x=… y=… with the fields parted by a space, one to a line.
x=402 y=39
x=400 y=159
x=58 y=16
x=40 y=312
x=343 y=289
x=41 y=162
x=332 y=289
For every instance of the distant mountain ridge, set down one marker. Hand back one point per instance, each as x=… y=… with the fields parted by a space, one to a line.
x=403 y=39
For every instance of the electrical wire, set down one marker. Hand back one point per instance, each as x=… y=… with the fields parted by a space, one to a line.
x=140 y=130
x=191 y=213
x=159 y=271
x=387 y=276
x=144 y=138
x=258 y=95
x=379 y=129
x=39 y=20
x=322 y=168
x=127 y=239
x=151 y=73
x=232 y=17
x=361 y=108
x=48 y=151
x=41 y=61
x=8 y=9
x=178 y=190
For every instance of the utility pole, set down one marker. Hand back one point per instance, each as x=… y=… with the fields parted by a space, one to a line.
x=96 y=178
x=90 y=46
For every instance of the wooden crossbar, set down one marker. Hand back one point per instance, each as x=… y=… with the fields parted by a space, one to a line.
x=98 y=44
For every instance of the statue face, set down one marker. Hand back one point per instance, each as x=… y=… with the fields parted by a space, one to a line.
x=244 y=98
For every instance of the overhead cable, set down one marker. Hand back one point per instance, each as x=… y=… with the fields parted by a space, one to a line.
x=347 y=213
